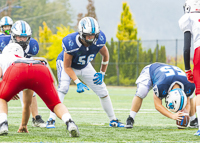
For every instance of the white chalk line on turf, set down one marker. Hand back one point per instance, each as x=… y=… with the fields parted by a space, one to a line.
x=87 y=112
x=84 y=110
x=45 y=108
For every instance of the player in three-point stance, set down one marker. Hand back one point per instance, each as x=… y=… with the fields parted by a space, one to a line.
x=168 y=82
x=24 y=73
x=189 y=23
x=21 y=34
x=73 y=63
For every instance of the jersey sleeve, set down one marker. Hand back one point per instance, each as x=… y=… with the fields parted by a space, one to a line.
x=189 y=89
x=101 y=40
x=34 y=47
x=69 y=45
x=185 y=23
x=4 y=40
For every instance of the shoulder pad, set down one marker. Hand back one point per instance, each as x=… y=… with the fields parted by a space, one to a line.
x=69 y=43
x=101 y=39
x=4 y=40
x=33 y=47
x=185 y=23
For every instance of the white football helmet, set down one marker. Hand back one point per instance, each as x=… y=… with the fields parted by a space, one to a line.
x=22 y=29
x=176 y=100
x=13 y=48
x=6 y=20
x=88 y=26
x=191 y=6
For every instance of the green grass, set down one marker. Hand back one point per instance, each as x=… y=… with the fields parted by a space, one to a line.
x=86 y=111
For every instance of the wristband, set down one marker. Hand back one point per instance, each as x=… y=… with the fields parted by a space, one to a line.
x=77 y=81
x=104 y=63
x=187 y=70
x=103 y=73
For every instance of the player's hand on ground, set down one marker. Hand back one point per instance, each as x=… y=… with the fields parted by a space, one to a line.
x=16 y=97
x=189 y=75
x=98 y=80
x=178 y=116
x=81 y=87
x=22 y=129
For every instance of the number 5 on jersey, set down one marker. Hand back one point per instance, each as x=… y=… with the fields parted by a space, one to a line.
x=82 y=60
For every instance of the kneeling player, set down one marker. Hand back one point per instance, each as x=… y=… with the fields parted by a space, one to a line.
x=22 y=73
x=167 y=81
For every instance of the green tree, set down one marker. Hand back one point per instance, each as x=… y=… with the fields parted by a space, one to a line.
x=90 y=12
x=159 y=54
x=44 y=39
x=56 y=45
x=130 y=49
x=162 y=55
x=53 y=12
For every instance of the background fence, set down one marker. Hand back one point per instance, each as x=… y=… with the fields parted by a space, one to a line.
x=128 y=58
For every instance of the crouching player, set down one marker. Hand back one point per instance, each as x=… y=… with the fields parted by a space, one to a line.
x=168 y=82
x=23 y=73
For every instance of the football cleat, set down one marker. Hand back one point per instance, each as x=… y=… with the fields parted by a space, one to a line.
x=197 y=133
x=50 y=123
x=4 y=128
x=194 y=123
x=72 y=128
x=38 y=122
x=116 y=123
x=129 y=122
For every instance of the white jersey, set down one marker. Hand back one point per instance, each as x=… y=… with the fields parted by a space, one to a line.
x=191 y=22
x=6 y=60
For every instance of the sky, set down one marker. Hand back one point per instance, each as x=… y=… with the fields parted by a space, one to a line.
x=155 y=19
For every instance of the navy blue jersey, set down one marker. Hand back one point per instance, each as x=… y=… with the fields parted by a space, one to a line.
x=32 y=48
x=81 y=55
x=164 y=76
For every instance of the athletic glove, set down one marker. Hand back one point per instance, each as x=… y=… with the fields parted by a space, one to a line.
x=189 y=75
x=81 y=87
x=99 y=78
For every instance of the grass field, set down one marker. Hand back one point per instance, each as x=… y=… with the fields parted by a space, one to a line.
x=86 y=111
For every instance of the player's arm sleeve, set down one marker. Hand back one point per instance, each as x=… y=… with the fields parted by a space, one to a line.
x=187 y=45
x=101 y=40
x=67 y=49
x=33 y=48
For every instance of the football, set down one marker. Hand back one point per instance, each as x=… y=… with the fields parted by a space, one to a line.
x=184 y=122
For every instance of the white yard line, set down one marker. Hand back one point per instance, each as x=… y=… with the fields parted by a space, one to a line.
x=45 y=108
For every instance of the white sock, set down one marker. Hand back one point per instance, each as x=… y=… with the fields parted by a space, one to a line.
x=133 y=114
x=52 y=115
x=3 y=117
x=192 y=117
x=108 y=108
x=66 y=117
x=61 y=96
x=198 y=115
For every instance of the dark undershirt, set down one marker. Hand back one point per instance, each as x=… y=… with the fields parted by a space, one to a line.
x=186 y=52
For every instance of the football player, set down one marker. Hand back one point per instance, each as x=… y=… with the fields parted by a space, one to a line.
x=189 y=24
x=73 y=63
x=38 y=78
x=21 y=34
x=6 y=24
x=168 y=82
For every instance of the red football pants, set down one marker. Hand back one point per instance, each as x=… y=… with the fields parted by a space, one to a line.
x=36 y=77
x=196 y=70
